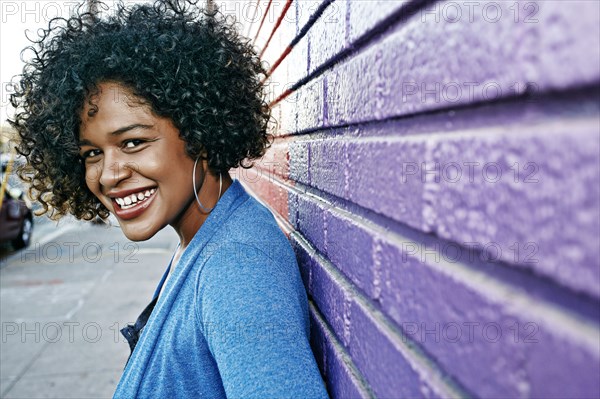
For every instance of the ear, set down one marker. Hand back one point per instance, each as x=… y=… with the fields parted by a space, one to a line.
x=203 y=154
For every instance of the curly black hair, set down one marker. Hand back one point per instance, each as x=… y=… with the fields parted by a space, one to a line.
x=187 y=63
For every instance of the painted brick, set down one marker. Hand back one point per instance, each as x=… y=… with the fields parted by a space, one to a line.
x=331 y=299
x=416 y=294
x=328 y=35
x=423 y=293
x=338 y=370
x=569 y=55
x=293 y=208
x=366 y=15
x=289 y=113
x=273 y=51
x=275 y=86
x=318 y=342
x=420 y=297
x=311 y=221
x=304 y=264
x=343 y=383
x=570 y=371
x=310 y=106
x=422 y=189
x=416 y=298
x=350 y=248
x=391 y=77
x=253 y=12
x=287 y=30
x=328 y=165
x=292 y=68
x=533 y=201
x=282 y=38
x=296 y=63
x=372 y=346
x=378 y=356
x=377 y=181
x=348 y=245
x=304 y=10
x=299 y=159
x=276 y=159
x=394 y=310
x=266 y=187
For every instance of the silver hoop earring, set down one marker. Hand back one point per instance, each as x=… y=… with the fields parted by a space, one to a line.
x=202 y=207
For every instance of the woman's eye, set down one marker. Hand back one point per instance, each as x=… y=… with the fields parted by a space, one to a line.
x=133 y=143
x=90 y=154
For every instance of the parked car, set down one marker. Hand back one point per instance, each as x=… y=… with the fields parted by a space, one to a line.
x=16 y=218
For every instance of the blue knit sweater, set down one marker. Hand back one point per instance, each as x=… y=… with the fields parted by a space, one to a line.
x=232 y=320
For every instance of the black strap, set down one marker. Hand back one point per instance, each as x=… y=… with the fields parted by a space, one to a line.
x=132 y=332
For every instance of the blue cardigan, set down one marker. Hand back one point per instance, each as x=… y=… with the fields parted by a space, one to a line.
x=232 y=320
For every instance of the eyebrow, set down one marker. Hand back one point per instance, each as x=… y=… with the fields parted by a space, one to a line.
x=120 y=131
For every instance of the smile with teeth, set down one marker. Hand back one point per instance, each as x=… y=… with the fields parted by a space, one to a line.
x=134 y=199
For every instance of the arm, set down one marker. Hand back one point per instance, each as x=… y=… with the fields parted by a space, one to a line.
x=253 y=318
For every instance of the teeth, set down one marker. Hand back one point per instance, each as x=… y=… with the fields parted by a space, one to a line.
x=131 y=200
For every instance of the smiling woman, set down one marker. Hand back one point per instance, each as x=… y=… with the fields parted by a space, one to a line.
x=142 y=115
x=137 y=166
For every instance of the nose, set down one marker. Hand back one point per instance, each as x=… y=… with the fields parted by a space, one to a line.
x=114 y=170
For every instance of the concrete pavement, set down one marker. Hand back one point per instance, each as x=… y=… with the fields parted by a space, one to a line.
x=62 y=303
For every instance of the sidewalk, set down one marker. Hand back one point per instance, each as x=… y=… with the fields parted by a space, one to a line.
x=62 y=304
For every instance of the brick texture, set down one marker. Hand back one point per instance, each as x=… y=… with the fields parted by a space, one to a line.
x=436 y=166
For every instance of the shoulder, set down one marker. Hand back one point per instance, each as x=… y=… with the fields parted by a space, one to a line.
x=251 y=229
x=251 y=264
x=249 y=259
x=253 y=216
x=243 y=284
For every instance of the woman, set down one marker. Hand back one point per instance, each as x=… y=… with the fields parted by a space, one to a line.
x=142 y=114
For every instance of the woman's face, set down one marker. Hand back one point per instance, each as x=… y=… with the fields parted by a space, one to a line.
x=135 y=163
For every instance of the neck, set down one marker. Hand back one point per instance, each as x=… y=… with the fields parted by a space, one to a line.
x=193 y=216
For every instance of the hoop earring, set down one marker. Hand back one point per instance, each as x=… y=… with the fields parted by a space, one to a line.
x=202 y=207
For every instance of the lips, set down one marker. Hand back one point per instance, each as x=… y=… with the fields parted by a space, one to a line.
x=132 y=203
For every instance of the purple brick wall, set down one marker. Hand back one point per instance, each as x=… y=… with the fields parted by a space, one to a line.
x=436 y=166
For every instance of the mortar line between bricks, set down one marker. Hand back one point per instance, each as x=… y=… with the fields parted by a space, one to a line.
x=363 y=384
x=485 y=133
x=405 y=11
x=515 y=300
x=509 y=271
x=486 y=285
x=573 y=95
x=412 y=352
x=311 y=21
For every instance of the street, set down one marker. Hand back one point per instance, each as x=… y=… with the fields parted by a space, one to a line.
x=63 y=301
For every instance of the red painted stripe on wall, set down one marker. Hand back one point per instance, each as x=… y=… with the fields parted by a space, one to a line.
x=287 y=6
